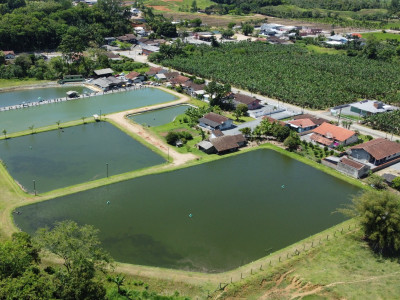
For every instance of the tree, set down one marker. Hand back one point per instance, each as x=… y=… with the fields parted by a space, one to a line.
x=292 y=141
x=376 y=181
x=79 y=249
x=58 y=124
x=246 y=131
x=194 y=6
x=231 y=25
x=83 y=120
x=31 y=128
x=241 y=110
x=5 y=133
x=227 y=34
x=396 y=183
x=379 y=216
x=247 y=29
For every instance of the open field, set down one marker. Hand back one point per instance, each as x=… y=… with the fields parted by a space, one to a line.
x=213 y=20
x=8 y=83
x=176 y=5
x=382 y=36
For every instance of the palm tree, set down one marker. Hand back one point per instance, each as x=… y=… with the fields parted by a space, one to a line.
x=119 y=282
x=31 y=128
x=5 y=134
x=58 y=124
x=83 y=119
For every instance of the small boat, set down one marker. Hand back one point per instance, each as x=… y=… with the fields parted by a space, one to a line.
x=72 y=94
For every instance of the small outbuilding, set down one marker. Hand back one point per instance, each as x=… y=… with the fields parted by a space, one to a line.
x=214 y=121
x=103 y=72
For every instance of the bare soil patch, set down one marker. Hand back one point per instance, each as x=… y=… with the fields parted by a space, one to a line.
x=160 y=8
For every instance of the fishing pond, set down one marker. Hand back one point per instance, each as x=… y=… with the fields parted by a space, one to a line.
x=160 y=116
x=49 y=114
x=64 y=157
x=211 y=217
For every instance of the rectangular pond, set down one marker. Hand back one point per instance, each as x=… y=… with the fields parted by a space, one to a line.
x=60 y=158
x=211 y=218
x=49 y=114
x=160 y=116
x=33 y=95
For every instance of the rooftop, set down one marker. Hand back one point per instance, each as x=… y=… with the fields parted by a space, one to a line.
x=103 y=71
x=372 y=106
x=320 y=139
x=352 y=163
x=379 y=148
x=334 y=132
x=303 y=123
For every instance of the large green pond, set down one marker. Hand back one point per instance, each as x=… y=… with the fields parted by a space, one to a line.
x=32 y=95
x=61 y=158
x=240 y=212
x=49 y=114
x=160 y=116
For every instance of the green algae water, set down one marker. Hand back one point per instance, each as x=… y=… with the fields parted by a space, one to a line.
x=49 y=114
x=211 y=217
x=160 y=116
x=60 y=158
x=33 y=95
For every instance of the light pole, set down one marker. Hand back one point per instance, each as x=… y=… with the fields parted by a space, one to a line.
x=34 y=186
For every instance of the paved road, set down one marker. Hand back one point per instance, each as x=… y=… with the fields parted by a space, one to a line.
x=320 y=114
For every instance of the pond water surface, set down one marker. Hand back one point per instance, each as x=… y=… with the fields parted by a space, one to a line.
x=212 y=217
x=32 y=95
x=61 y=158
x=49 y=114
x=160 y=116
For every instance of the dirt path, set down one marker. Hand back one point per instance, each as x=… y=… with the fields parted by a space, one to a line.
x=121 y=119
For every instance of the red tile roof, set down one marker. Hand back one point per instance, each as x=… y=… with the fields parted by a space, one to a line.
x=334 y=132
x=317 y=121
x=244 y=99
x=320 y=139
x=154 y=71
x=272 y=120
x=352 y=163
x=379 y=148
x=215 y=118
x=132 y=75
x=179 y=79
x=302 y=123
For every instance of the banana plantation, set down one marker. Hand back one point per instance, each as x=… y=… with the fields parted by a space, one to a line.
x=292 y=74
x=389 y=122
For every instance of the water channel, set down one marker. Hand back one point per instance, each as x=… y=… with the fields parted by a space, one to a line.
x=61 y=158
x=160 y=116
x=49 y=114
x=210 y=218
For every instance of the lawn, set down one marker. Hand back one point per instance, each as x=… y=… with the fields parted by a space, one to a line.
x=176 y=5
x=322 y=50
x=382 y=36
x=341 y=268
x=7 y=83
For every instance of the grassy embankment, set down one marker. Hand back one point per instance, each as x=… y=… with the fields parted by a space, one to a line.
x=8 y=83
x=382 y=36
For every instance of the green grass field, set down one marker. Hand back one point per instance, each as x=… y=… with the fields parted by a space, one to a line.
x=176 y=5
x=382 y=36
x=7 y=83
x=322 y=50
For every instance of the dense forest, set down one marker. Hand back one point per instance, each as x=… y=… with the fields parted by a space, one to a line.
x=38 y=25
x=289 y=72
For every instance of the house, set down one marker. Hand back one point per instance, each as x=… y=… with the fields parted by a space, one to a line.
x=147 y=49
x=302 y=125
x=170 y=75
x=216 y=133
x=352 y=168
x=127 y=38
x=314 y=119
x=134 y=77
x=191 y=88
x=103 y=72
x=160 y=77
x=214 y=121
x=334 y=135
x=270 y=29
x=155 y=70
x=114 y=82
x=336 y=40
x=9 y=54
x=112 y=56
x=376 y=152
x=206 y=147
x=272 y=121
x=370 y=107
x=251 y=102
x=102 y=83
x=109 y=40
x=179 y=80
x=228 y=143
